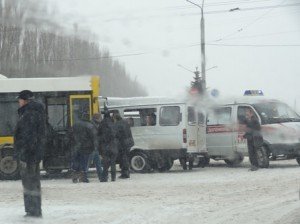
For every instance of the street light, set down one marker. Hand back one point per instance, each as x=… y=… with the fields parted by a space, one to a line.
x=202 y=27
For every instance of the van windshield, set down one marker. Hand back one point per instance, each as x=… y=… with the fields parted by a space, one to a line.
x=276 y=112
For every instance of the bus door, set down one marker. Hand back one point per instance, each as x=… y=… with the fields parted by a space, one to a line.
x=80 y=105
x=201 y=141
x=192 y=130
x=219 y=138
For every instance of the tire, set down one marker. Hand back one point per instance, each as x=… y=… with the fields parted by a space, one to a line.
x=139 y=162
x=236 y=161
x=203 y=162
x=262 y=157
x=9 y=168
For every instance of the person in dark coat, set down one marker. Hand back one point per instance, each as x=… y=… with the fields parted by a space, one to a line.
x=29 y=141
x=84 y=143
x=109 y=146
x=95 y=157
x=125 y=141
x=254 y=137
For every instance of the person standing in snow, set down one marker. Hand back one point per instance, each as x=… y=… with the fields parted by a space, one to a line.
x=95 y=157
x=109 y=146
x=254 y=138
x=125 y=142
x=84 y=143
x=29 y=141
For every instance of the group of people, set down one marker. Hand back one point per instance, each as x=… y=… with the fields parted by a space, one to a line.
x=102 y=141
x=109 y=137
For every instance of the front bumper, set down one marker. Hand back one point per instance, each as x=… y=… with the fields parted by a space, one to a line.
x=285 y=149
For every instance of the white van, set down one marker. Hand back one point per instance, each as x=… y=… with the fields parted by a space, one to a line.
x=163 y=129
x=280 y=129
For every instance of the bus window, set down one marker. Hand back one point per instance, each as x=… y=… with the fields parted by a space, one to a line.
x=191 y=116
x=141 y=117
x=9 y=117
x=57 y=112
x=79 y=108
x=219 y=116
x=169 y=116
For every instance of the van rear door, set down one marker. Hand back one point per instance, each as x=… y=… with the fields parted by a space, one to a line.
x=192 y=130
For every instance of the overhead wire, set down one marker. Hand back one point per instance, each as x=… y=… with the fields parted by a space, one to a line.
x=250 y=24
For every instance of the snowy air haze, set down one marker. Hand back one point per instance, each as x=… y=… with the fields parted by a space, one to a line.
x=255 y=46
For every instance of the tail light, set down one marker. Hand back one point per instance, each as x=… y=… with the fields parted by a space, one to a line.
x=184 y=135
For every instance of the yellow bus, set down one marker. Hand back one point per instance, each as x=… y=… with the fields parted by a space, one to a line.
x=64 y=98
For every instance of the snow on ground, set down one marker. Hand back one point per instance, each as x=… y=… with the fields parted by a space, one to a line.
x=215 y=194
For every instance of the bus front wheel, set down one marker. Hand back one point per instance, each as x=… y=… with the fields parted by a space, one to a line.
x=9 y=169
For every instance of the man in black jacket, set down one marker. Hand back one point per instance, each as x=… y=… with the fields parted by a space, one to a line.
x=109 y=146
x=254 y=138
x=125 y=142
x=29 y=142
x=84 y=143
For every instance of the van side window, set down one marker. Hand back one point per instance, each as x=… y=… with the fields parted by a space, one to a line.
x=141 y=117
x=219 y=116
x=191 y=116
x=169 y=116
x=201 y=118
x=241 y=113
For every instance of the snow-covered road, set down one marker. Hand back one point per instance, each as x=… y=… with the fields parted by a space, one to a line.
x=215 y=194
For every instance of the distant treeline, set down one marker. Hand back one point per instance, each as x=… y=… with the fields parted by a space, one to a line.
x=28 y=49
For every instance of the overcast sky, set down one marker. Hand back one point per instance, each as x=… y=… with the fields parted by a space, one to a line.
x=163 y=31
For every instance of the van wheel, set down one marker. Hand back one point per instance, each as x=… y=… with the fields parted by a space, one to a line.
x=203 y=161
x=9 y=168
x=262 y=157
x=139 y=162
x=236 y=161
x=167 y=166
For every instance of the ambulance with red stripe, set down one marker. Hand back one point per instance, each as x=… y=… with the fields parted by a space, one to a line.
x=226 y=127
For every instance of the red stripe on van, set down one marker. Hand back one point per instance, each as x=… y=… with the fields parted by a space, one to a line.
x=218 y=129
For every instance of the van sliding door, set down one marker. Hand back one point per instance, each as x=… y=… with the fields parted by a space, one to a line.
x=219 y=138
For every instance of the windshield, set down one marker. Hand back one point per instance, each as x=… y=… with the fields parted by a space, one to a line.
x=276 y=112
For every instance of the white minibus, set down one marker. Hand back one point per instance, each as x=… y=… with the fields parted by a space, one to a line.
x=164 y=130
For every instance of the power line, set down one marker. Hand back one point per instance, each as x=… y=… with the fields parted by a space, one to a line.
x=85 y=59
x=261 y=35
x=246 y=9
x=255 y=45
x=253 y=22
x=183 y=7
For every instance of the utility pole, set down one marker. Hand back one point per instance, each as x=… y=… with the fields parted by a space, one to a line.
x=202 y=28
